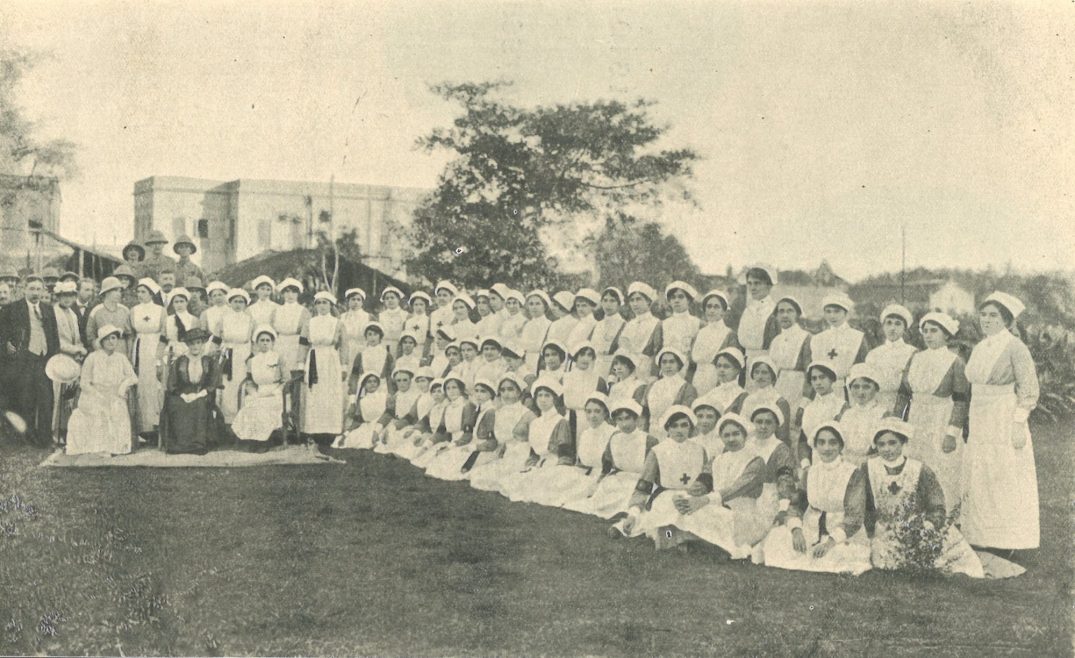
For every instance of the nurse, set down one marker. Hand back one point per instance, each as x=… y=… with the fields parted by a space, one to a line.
x=714 y=336
x=757 y=324
x=889 y=360
x=606 y=333
x=839 y=346
x=641 y=336
x=790 y=352
x=679 y=329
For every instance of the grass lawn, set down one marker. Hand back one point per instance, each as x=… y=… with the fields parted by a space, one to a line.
x=371 y=557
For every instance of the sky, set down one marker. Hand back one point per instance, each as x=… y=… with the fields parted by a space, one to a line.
x=823 y=128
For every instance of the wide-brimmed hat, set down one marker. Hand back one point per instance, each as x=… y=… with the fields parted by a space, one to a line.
x=137 y=247
x=106 y=331
x=184 y=239
x=62 y=369
x=196 y=335
x=156 y=237
x=110 y=283
x=124 y=270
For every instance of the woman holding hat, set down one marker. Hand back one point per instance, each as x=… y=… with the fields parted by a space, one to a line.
x=533 y=334
x=790 y=352
x=606 y=333
x=552 y=446
x=840 y=346
x=101 y=423
x=511 y=326
x=861 y=413
x=668 y=391
x=323 y=388
x=713 y=336
x=392 y=317
x=586 y=302
x=626 y=385
x=763 y=376
x=824 y=527
x=934 y=398
x=188 y=426
x=233 y=335
x=289 y=320
x=263 y=308
x=826 y=406
x=680 y=328
x=904 y=496
x=510 y=419
x=149 y=322
x=355 y=320
x=262 y=410
x=111 y=312
x=1000 y=481
x=621 y=464
x=890 y=359
x=641 y=335
x=365 y=414
x=563 y=321
x=728 y=394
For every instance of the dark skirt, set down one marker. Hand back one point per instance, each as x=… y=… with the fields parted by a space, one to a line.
x=190 y=427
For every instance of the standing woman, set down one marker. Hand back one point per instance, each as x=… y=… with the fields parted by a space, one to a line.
x=233 y=335
x=373 y=357
x=757 y=325
x=418 y=324
x=514 y=318
x=111 y=312
x=1000 y=480
x=713 y=337
x=564 y=322
x=586 y=301
x=606 y=334
x=445 y=292
x=934 y=398
x=217 y=292
x=533 y=332
x=641 y=335
x=890 y=359
x=322 y=389
x=679 y=329
x=149 y=322
x=179 y=322
x=392 y=317
x=488 y=320
x=790 y=352
x=289 y=320
x=839 y=346
x=668 y=391
x=462 y=325
x=354 y=320
x=263 y=308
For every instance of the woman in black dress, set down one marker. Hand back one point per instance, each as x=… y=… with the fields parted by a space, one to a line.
x=190 y=426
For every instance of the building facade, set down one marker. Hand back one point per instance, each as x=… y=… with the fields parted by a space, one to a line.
x=27 y=203
x=234 y=220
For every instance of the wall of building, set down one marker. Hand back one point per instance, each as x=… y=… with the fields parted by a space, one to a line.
x=24 y=199
x=247 y=217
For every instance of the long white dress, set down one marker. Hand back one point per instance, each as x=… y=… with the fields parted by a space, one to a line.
x=288 y=320
x=626 y=455
x=458 y=423
x=536 y=484
x=148 y=322
x=262 y=411
x=235 y=331
x=354 y=335
x=492 y=475
x=101 y=422
x=931 y=415
x=322 y=401
x=711 y=339
x=1000 y=502
x=371 y=407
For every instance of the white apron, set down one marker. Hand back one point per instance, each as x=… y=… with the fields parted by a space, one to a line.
x=930 y=415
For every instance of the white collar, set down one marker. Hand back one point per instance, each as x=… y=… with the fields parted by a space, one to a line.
x=831 y=466
x=896 y=464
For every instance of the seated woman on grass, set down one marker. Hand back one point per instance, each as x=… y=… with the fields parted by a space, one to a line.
x=453 y=462
x=365 y=414
x=823 y=529
x=423 y=383
x=705 y=433
x=905 y=512
x=552 y=446
x=424 y=438
x=509 y=431
x=401 y=410
x=456 y=430
x=776 y=454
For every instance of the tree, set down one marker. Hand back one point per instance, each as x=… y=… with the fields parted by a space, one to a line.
x=519 y=172
x=627 y=249
x=21 y=152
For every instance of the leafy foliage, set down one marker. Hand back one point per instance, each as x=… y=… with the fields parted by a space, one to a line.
x=914 y=545
x=518 y=172
x=627 y=249
x=21 y=152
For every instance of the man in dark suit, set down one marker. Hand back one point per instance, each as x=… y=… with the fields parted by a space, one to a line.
x=28 y=337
